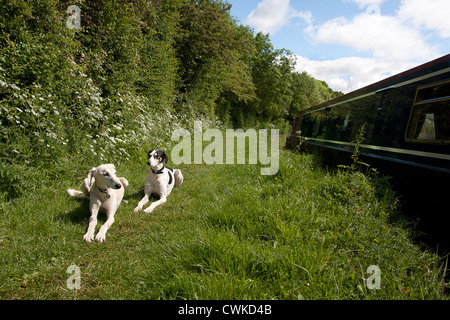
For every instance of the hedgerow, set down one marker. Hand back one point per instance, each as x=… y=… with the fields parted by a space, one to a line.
x=133 y=73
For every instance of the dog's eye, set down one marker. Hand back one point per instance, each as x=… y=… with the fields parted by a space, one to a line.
x=106 y=174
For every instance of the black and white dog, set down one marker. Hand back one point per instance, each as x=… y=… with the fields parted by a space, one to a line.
x=160 y=180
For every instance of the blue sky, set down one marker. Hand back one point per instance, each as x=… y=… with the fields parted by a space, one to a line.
x=352 y=43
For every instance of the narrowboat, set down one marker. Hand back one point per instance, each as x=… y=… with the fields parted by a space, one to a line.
x=407 y=130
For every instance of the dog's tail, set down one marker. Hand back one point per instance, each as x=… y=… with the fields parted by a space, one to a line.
x=178 y=177
x=76 y=194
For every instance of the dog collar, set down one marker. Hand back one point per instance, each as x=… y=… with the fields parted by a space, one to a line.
x=160 y=171
x=105 y=191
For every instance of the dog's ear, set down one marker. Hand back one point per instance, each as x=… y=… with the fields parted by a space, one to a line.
x=91 y=176
x=165 y=157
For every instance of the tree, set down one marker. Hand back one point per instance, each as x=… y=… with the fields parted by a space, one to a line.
x=271 y=72
x=308 y=92
x=212 y=51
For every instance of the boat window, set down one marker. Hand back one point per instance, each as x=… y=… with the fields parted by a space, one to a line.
x=346 y=122
x=433 y=92
x=316 y=127
x=428 y=130
x=430 y=122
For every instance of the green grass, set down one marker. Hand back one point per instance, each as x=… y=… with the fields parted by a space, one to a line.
x=226 y=233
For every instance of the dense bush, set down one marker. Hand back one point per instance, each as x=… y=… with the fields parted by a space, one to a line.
x=133 y=73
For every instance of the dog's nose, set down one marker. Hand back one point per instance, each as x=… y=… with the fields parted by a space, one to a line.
x=118 y=186
x=148 y=163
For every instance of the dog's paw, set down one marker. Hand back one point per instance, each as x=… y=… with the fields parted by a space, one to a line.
x=137 y=209
x=88 y=237
x=100 y=237
x=148 y=210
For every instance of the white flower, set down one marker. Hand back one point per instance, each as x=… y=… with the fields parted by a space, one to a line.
x=95 y=100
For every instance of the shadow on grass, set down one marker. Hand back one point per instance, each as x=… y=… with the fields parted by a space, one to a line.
x=79 y=215
x=135 y=197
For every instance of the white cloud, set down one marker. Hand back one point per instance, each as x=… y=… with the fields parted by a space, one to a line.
x=365 y=3
x=385 y=37
x=431 y=15
x=390 y=43
x=350 y=73
x=271 y=15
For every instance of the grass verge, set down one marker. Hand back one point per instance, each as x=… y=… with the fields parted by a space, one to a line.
x=226 y=233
